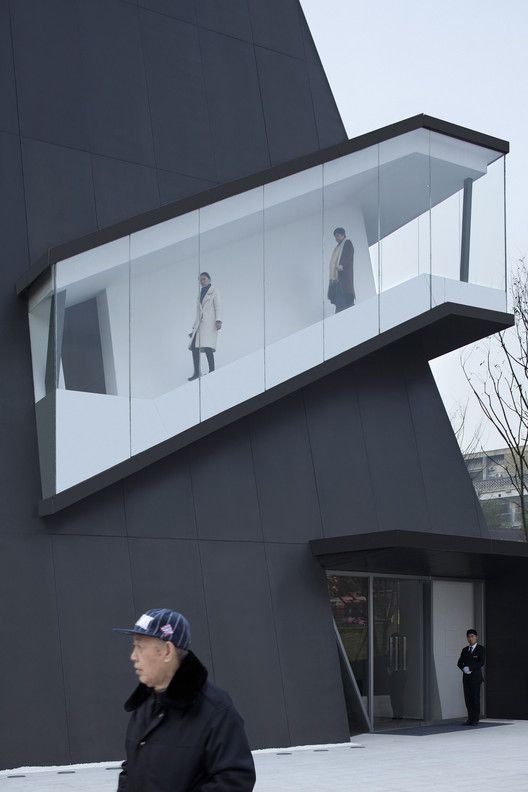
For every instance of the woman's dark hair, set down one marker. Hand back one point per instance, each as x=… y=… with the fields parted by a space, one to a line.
x=340 y=231
x=206 y=275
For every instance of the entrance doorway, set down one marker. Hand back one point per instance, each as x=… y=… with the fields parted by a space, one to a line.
x=399 y=639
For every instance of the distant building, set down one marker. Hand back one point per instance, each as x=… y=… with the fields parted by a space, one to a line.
x=496 y=492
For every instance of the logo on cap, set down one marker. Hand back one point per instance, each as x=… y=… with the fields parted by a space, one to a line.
x=144 y=621
x=167 y=631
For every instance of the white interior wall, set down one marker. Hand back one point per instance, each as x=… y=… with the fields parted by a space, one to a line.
x=453 y=614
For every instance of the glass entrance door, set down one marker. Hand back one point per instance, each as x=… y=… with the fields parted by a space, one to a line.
x=380 y=626
x=397 y=652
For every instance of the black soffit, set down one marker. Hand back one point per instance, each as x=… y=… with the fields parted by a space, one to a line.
x=423 y=554
x=200 y=200
x=435 y=332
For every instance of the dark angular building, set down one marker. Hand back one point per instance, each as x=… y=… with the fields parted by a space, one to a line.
x=305 y=503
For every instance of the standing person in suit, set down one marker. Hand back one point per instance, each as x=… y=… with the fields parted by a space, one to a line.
x=470 y=662
x=206 y=324
x=341 y=291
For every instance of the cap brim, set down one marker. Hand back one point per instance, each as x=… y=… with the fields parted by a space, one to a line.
x=130 y=631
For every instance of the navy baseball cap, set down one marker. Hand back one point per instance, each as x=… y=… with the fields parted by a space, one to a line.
x=162 y=623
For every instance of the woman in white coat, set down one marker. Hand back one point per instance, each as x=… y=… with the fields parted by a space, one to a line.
x=206 y=324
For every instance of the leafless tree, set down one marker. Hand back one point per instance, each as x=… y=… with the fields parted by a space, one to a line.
x=469 y=440
x=499 y=383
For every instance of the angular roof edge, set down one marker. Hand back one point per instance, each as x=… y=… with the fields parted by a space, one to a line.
x=227 y=190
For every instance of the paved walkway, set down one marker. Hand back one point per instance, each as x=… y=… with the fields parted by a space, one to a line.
x=487 y=759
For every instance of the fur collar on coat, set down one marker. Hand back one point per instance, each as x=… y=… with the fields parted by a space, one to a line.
x=184 y=686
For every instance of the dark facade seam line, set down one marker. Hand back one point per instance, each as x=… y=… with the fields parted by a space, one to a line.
x=254 y=50
x=19 y=136
x=375 y=510
x=268 y=578
x=200 y=561
x=214 y=142
x=316 y=125
x=61 y=654
x=96 y=153
x=147 y=93
x=416 y=446
x=330 y=93
x=312 y=460
x=93 y=191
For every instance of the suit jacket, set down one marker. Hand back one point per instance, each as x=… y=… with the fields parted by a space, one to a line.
x=474 y=661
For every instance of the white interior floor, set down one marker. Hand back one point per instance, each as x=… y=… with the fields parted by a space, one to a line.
x=486 y=758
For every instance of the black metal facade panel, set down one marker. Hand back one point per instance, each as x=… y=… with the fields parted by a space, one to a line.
x=122 y=189
x=309 y=661
x=176 y=88
x=231 y=18
x=231 y=79
x=8 y=103
x=442 y=465
x=506 y=645
x=277 y=25
x=245 y=652
x=224 y=487
x=159 y=501
x=34 y=721
x=50 y=73
x=94 y=594
x=117 y=97
x=104 y=515
x=286 y=482
x=344 y=483
x=59 y=193
x=175 y=186
x=177 y=583
x=179 y=9
x=288 y=105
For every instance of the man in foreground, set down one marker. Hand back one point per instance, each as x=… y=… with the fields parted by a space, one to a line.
x=470 y=662
x=184 y=733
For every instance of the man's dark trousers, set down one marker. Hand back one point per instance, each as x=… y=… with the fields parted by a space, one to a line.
x=472 y=697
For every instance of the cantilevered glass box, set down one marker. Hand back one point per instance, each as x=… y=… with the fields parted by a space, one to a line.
x=120 y=320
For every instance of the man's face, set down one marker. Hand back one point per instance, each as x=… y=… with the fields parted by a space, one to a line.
x=472 y=639
x=204 y=280
x=339 y=238
x=148 y=658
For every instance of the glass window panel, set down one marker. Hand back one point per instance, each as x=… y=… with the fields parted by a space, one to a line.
x=92 y=362
x=351 y=261
x=293 y=282
x=231 y=253
x=164 y=284
x=404 y=193
x=349 y=602
x=467 y=223
x=42 y=335
x=398 y=651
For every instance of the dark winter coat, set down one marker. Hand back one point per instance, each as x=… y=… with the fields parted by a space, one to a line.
x=191 y=739
x=346 y=275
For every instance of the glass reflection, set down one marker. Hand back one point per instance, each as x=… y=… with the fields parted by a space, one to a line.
x=404 y=200
x=350 y=250
x=92 y=362
x=293 y=274
x=164 y=281
x=229 y=323
x=349 y=603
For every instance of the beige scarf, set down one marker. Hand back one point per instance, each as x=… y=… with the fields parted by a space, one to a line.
x=335 y=259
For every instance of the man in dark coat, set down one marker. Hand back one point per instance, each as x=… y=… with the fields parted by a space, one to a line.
x=341 y=290
x=470 y=662
x=184 y=733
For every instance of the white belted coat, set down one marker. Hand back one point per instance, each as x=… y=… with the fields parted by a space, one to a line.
x=207 y=314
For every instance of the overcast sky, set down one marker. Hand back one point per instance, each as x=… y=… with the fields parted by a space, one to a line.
x=462 y=61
